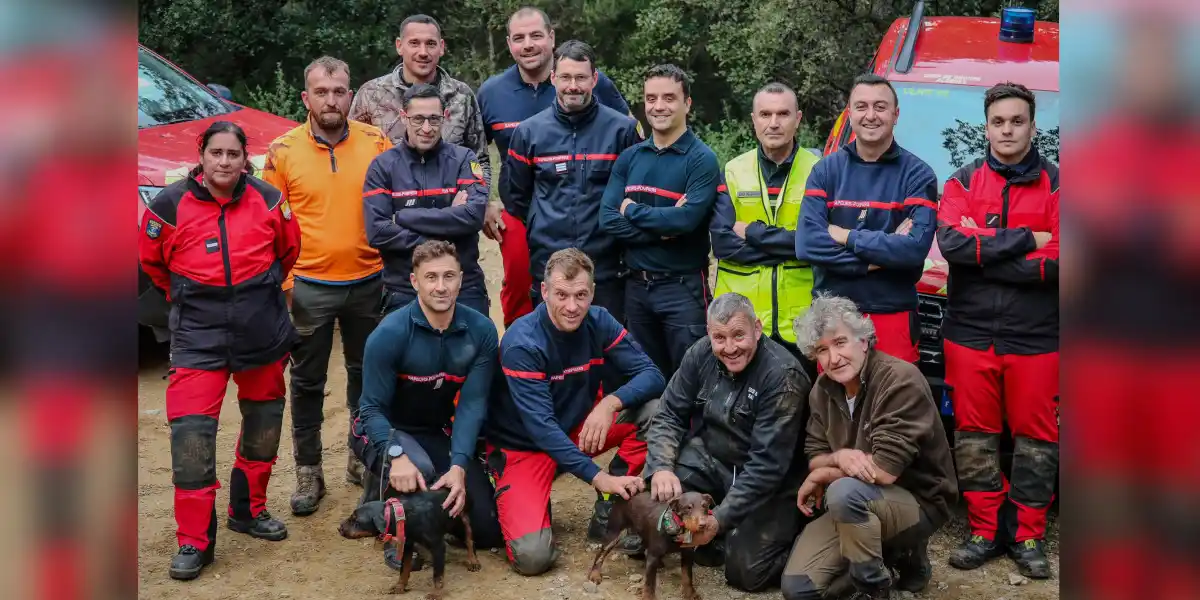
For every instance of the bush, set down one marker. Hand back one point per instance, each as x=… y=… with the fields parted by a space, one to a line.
x=280 y=99
x=731 y=137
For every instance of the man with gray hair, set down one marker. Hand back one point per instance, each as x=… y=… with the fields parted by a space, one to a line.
x=878 y=458
x=730 y=426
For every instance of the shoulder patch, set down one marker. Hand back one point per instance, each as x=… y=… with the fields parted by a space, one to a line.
x=476 y=170
x=153 y=229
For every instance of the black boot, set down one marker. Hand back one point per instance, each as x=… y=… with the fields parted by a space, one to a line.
x=913 y=570
x=599 y=523
x=262 y=527
x=711 y=554
x=188 y=563
x=974 y=552
x=1030 y=556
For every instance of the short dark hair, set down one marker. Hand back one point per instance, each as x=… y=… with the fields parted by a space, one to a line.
x=673 y=73
x=1008 y=89
x=527 y=11
x=431 y=250
x=577 y=51
x=569 y=262
x=421 y=90
x=873 y=79
x=422 y=19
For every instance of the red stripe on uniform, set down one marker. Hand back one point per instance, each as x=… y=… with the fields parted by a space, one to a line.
x=1042 y=268
x=722 y=188
x=431 y=378
x=815 y=193
x=433 y=192
x=523 y=374
x=584 y=368
x=519 y=157
x=772 y=190
x=500 y=126
x=595 y=157
x=978 y=250
x=554 y=158
x=376 y=191
x=864 y=204
x=467 y=181
x=919 y=202
x=649 y=189
x=617 y=341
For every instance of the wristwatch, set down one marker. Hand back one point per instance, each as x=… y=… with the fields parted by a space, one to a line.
x=394 y=451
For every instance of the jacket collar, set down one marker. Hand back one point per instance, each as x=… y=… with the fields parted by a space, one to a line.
x=418 y=154
x=1029 y=169
x=398 y=80
x=787 y=162
x=419 y=319
x=679 y=146
x=889 y=155
x=577 y=119
x=312 y=135
x=200 y=192
x=518 y=84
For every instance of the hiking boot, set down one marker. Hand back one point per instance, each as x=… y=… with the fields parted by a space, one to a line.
x=188 y=563
x=354 y=470
x=880 y=594
x=1030 y=556
x=974 y=552
x=711 y=554
x=913 y=570
x=262 y=527
x=598 y=526
x=310 y=488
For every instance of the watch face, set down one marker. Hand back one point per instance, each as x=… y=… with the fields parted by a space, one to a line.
x=394 y=451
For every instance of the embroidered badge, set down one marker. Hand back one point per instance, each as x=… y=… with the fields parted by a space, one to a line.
x=862 y=216
x=287 y=210
x=560 y=167
x=153 y=229
x=476 y=170
x=212 y=245
x=993 y=220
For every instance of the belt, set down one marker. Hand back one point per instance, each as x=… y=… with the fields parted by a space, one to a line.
x=655 y=276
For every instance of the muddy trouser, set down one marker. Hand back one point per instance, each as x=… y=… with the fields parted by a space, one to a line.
x=757 y=548
x=987 y=390
x=194 y=400
x=429 y=451
x=843 y=549
x=315 y=307
x=666 y=313
x=523 y=481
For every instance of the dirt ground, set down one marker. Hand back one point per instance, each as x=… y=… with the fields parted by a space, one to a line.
x=315 y=562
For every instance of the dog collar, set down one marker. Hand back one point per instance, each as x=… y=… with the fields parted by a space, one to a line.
x=671 y=524
x=393 y=512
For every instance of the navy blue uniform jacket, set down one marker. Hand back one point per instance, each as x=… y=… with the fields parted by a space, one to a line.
x=407 y=199
x=871 y=199
x=552 y=381
x=417 y=379
x=655 y=179
x=554 y=178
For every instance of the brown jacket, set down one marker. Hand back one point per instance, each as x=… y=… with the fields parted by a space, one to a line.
x=896 y=421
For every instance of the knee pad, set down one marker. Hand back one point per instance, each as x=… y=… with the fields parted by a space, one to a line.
x=1034 y=471
x=977 y=456
x=262 y=422
x=799 y=587
x=194 y=452
x=848 y=499
x=533 y=554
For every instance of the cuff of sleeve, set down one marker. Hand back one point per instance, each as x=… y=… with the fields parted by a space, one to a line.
x=723 y=518
x=889 y=461
x=588 y=472
x=460 y=460
x=755 y=229
x=852 y=240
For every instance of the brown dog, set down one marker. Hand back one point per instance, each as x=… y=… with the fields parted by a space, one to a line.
x=411 y=520
x=665 y=527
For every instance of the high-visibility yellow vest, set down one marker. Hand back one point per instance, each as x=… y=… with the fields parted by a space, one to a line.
x=779 y=293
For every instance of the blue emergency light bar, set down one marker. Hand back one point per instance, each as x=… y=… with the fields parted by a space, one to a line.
x=1016 y=25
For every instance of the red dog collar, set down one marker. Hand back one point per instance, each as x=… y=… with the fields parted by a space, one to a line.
x=393 y=512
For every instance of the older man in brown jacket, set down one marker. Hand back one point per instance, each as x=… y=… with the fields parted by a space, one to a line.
x=878 y=457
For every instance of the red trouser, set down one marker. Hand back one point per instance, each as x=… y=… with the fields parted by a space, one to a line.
x=896 y=334
x=514 y=250
x=524 y=478
x=988 y=390
x=194 y=399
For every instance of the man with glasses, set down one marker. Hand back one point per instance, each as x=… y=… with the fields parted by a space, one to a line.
x=424 y=189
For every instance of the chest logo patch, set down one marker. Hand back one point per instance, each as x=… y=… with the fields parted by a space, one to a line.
x=286 y=209
x=993 y=220
x=750 y=194
x=862 y=216
x=211 y=245
x=560 y=167
x=153 y=229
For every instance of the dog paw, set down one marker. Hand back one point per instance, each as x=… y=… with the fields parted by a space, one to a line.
x=473 y=566
x=595 y=577
x=398 y=589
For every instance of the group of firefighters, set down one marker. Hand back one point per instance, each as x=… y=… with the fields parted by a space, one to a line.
x=795 y=384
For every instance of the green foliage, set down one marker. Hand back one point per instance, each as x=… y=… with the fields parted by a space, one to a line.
x=730 y=47
x=281 y=98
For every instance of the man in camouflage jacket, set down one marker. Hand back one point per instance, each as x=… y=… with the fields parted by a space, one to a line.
x=378 y=102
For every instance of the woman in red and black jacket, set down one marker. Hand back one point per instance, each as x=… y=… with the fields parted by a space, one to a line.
x=220 y=243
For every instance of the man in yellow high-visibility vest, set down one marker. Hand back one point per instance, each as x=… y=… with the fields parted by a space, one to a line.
x=753 y=225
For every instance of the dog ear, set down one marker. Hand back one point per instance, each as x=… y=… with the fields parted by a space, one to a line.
x=674 y=503
x=708 y=501
x=377 y=512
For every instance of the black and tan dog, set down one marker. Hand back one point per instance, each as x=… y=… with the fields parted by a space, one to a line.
x=412 y=520
x=665 y=527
